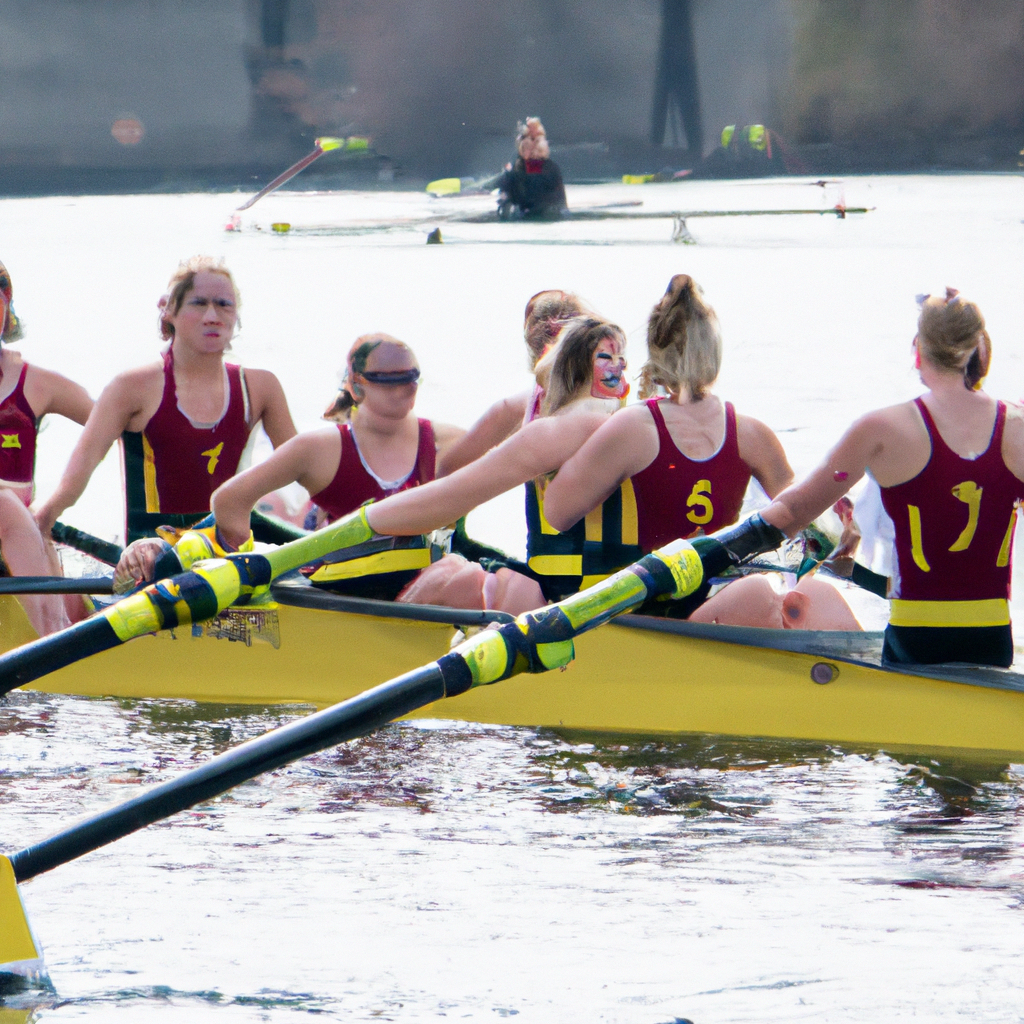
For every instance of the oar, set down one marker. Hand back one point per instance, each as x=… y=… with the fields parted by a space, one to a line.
x=188 y=597
x=56 y=585
x=535 y=642
x=101 y=550
x=323 y=145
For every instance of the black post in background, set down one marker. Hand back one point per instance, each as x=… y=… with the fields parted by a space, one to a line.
x=676 y=95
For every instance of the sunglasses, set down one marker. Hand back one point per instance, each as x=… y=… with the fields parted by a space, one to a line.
x=391 y=376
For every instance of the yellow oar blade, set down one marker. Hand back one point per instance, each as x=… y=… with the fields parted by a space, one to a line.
x=19 y=954
x=327 y=143
x=445 y=186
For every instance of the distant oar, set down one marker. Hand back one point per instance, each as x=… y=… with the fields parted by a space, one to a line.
x=323 y=145
x=535 y=642
x=189 y=597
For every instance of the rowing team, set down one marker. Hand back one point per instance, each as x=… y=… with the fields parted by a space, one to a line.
x=605 y=484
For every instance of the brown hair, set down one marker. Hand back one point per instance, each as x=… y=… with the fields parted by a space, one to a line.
x=350 y=393
x=573 y=367
x=684 y=342
x=182 y=282
x=10 y=329
x=546 y=314
x=951 y=334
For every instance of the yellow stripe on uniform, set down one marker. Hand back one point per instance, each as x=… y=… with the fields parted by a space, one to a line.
x=557 y=565
x=372 y=565
x=993 y=612
x=149 y=476
x=630 y=520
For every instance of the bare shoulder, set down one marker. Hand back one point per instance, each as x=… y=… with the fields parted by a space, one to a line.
x=262 y=384
x=136 y=385
x=446 y=433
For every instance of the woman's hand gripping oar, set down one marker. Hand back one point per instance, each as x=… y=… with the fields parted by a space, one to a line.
x=535 y=642
x=193 y=596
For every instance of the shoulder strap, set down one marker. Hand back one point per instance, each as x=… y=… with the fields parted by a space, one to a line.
x=732 y=439
x=654 y=404
x=426 y=454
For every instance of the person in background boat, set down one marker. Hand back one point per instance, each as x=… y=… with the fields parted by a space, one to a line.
x=950 y=465
x=184 y=422
x=587 y=385
x=532 y=187
x=546 y=314
x=27 y=394
x=375 y=448
x=685 y=461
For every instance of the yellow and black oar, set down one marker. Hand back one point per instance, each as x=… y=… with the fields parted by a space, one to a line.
x=535 y=642
x=188 y=597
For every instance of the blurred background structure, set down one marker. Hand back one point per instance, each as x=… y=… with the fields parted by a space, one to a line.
x=101 y=95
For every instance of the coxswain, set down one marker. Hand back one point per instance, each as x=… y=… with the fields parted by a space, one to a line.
x=27 y=394
x=375 y=447
x=950 y=466
x=532 y=187
x=685 y=460
x=184 y=421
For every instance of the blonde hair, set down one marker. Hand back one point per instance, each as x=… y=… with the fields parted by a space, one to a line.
x=572 y=368
x=951 y=335
x=10 y=328
x=532 y=140
x=684 y=342
x=350 y=393
x=546 y=314
x=183 y=281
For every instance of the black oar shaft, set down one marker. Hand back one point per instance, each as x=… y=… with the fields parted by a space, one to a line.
x=355 y=717
x=102 y=550
x=49 y=653
x=56 y=585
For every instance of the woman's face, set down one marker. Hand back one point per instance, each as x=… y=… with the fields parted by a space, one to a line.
x=609 y=369
x=393 y=398
x=208 y=314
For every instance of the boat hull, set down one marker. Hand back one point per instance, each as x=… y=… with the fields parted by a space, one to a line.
x=638 y=675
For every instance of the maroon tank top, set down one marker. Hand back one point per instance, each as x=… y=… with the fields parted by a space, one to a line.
x=954 y=522
x=18 y=429
x=355 y=483
x=182 y=464
x=678 y=497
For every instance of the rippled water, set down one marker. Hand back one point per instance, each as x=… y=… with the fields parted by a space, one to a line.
x=470 y=872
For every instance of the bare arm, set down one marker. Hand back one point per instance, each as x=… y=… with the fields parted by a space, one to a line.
x=124 y=398
x=446 y=437
x=625 y=444
x=540 y=447
x=49 y=392
x=499 y=422
x=266 y=397
x=762 y=451
x=798 y=505
x=310 y=459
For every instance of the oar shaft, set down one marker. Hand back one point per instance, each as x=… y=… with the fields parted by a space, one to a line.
x=345 y=721
x=318 y=152
x=102 y=550
x=56 y=585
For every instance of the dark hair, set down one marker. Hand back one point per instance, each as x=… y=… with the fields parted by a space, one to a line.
x=684 y=342
x=574 y=359
x=183 y=281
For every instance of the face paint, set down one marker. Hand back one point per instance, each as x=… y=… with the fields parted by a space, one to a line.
x=609 y=371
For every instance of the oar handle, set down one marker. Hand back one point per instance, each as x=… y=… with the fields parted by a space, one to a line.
x=355 y=717
x=56 y=585
x=102 y=550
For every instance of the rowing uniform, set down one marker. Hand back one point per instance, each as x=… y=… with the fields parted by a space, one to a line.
x=173 y=465
x=601 y=543
x=677 y=496
x=954 y=521
x=533 y=188
x=18 y=428
x=381 y=568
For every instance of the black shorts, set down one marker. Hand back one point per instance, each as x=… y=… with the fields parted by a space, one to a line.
x=933 y=645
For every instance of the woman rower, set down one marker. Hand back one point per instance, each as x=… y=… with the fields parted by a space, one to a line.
x=532 y=187
x=586 y=387
x=950 y=465
x=27 y=394
x=546 y=314
x=686 y=461
x=376 y=447
x=184 y=421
